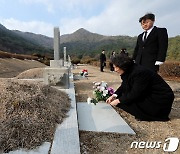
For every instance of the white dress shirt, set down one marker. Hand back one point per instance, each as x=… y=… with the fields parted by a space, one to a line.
x=148 y=32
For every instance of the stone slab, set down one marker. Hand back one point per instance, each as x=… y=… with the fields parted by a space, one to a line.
x=56 y=63
x=101 y=118
x=79 y=77
x=57 y=76
x=66 y=138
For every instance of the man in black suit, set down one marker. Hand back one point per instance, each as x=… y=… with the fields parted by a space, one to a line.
x=152 y=44
x=102 y=60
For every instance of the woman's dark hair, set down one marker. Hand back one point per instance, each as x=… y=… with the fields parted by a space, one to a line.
x=123 y=62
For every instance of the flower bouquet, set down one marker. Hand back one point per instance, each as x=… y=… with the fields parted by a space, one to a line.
x=84 y=73
x=101 y=91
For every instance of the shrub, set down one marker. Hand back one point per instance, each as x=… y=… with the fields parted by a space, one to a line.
x=5 y=54
x=18 y=56
x=170 y=69
x=75 y=60
x=87 y=60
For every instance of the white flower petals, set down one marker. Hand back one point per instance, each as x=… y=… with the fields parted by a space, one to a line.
x=89 y=100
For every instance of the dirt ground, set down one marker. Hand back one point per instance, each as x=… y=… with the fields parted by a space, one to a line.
x=93 y=142
x=11 y=67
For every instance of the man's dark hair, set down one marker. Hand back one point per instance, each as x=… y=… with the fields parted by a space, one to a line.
x=147 y=16
x=123 y=62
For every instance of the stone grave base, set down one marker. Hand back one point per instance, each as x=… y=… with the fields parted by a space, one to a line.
x=101 y=118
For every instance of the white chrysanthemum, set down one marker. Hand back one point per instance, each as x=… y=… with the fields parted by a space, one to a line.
x=105 y=92
x=85 y=74
x=104 y=84
x=98 y=87
x=101 y=88
x=97 y=83
x=89 y=100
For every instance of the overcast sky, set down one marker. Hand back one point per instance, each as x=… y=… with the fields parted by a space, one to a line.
x=106 y=17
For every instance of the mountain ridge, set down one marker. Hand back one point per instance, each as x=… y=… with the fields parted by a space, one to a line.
x=79 y=43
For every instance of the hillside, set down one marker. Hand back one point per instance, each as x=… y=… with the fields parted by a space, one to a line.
x=174 y=48
x=12 y=67
x=82 y=35
x=79 y=44
x=84 y=43
x=14 y=43
x=39 y=39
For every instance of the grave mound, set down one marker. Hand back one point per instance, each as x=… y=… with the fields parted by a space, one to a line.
x=29 y=113
x=31 y=74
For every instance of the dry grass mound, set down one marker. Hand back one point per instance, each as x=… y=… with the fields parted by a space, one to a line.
x=31 y=74
x=29 y=113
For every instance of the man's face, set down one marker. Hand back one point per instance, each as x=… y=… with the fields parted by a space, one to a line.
x=147 y=24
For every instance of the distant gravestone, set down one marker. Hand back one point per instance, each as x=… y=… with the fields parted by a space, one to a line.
x=57 y=62
x=64 y=54
x=56 y=43
x=69 y=59
x=57 y=74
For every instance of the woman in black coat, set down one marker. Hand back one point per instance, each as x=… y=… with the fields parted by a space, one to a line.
x=143 y=93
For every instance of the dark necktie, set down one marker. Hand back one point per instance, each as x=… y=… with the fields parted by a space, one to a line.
x=145 y=36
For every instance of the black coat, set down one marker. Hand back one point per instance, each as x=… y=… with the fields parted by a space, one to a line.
x=144 y=94
x=153 y=49
x=102 y=58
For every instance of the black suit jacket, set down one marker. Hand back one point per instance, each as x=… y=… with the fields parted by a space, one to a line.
x=102 y=58
x=153 y=49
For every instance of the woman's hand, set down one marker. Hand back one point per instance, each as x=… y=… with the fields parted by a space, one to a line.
x=110 y=99
x=115 y=102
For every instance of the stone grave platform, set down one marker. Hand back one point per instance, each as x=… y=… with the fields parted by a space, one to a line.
x=101 y=118
x=66 y=138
